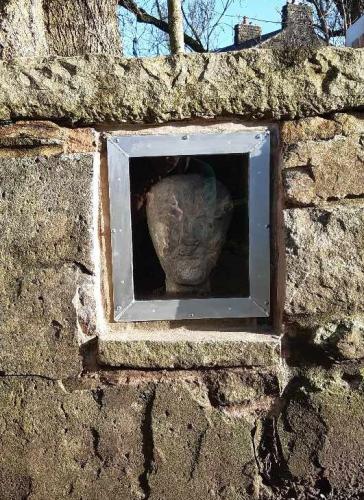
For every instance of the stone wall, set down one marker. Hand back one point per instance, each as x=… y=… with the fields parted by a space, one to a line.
x=320 y=426
x=221 y=418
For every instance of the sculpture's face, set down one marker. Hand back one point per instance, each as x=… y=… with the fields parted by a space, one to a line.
x=188 y=217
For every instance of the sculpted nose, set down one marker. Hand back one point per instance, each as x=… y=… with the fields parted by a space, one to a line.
x=189 y=236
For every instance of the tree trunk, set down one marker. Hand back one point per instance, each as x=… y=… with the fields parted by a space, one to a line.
x=22 y=31
x=76 y=27
x=30 y=28
x=175 y=21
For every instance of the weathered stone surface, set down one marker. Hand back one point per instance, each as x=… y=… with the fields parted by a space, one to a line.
x=317 y=171
x=37 y=138
x=343 y=339
x=106 y=89
x=322 y=129
x=237 y=387
x=325 y=259
x=45 y=258
x=188 y=349
x=198 y=451
x=38 y=333
x=336 y=338
x=78 y=444
x=309 y=129
x=323 y=441
x=350 y=124
x=80 y=140
x=150 y=435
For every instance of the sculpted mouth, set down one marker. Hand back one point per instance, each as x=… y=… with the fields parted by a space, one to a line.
x=187 y=251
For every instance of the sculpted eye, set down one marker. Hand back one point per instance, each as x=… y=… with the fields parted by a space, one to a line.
x=175 y=212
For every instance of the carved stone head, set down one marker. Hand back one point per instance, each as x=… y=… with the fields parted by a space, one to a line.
x=188 y=217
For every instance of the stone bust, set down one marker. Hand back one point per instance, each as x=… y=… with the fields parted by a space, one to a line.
x=188 y=218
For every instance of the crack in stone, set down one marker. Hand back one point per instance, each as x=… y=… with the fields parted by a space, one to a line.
x=255 y=452
x=30 y=490
x=147 y=446
x=83 y=268
x=57 y=328
x=27 y=375
x=98 y=395
x=19 y=287
x=95 y=444
x=197 y=453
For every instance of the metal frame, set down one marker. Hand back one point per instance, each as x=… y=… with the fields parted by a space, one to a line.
x=254 y=143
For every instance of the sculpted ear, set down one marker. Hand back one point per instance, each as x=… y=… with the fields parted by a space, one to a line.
x=150 y=197
x=224 y=208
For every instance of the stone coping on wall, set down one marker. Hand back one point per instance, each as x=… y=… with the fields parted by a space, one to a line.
x=250 y=84
x=186 y=349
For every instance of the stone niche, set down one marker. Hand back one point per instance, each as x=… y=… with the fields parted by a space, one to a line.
x=186 y=245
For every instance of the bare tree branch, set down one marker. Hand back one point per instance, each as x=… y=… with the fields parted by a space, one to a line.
x=336 y=16
x=144 y=17
x=190 y=25
x=226 y=7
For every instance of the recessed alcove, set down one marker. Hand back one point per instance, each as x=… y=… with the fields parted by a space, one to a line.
x=202 y=251
x=231 y=325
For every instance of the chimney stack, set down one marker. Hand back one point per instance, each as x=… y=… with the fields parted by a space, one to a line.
x=296 y=14
x=245 y=32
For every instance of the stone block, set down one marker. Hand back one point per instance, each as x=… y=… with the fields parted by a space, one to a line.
x=188 y=349
x=198 y=451
x=324 y=260
x=41 y=138
x=45 y=259
x=317 y=128
x=322 y=440
x=347 y=339
x=309 y=129
x=95 y=89
x=337 y=338
x=242 y=386
x=319 y=171
x=39 y=330
x=85 y=443
x=350 y=124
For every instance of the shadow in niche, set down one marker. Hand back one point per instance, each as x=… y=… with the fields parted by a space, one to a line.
x=230 y=278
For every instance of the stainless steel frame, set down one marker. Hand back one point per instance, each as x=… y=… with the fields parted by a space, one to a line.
x=254 y=143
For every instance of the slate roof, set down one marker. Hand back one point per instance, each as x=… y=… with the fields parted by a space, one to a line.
x=248 y=44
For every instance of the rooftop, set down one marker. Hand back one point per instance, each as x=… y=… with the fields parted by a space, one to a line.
x=297 y=23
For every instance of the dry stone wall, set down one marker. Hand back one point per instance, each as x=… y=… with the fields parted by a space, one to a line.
x=265 y=425
x=322 y=169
